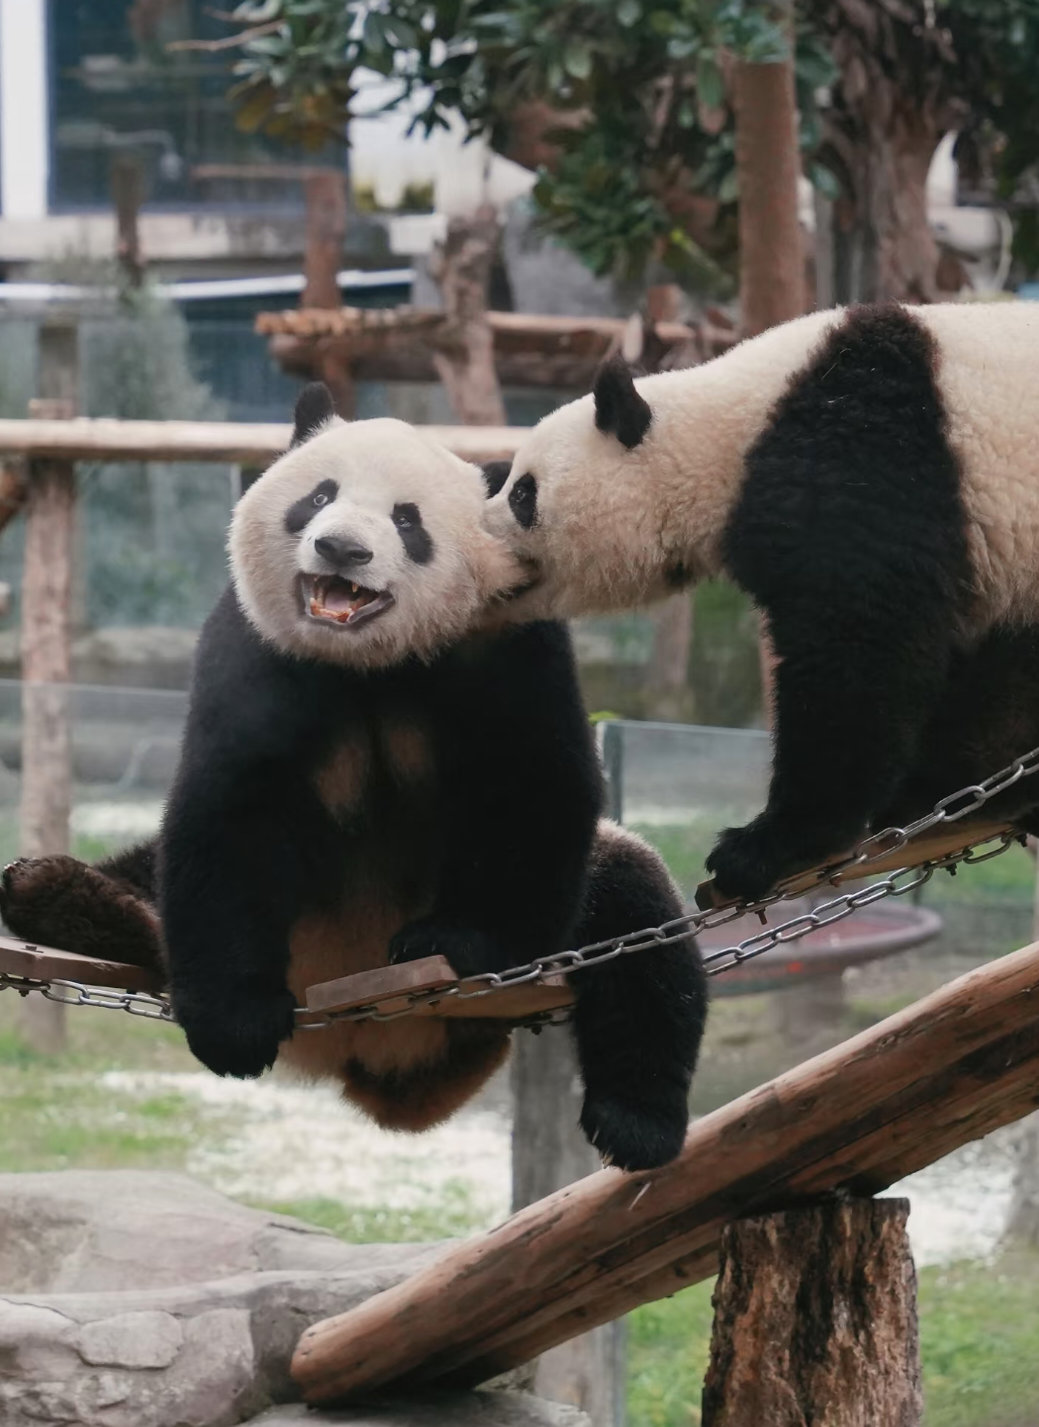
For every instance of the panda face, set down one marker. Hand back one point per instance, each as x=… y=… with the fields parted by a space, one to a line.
x=363 y=544
x=574 y=509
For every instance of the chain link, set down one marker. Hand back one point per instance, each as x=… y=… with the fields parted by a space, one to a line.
x=949 y=809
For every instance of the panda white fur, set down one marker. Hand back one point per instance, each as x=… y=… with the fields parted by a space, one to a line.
x=358 y=782
x=870 y=476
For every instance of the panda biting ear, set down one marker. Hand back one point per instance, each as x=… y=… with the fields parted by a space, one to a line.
x=314 y=407
x=619 y=410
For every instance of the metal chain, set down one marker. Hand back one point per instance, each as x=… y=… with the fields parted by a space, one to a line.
x=949 y=809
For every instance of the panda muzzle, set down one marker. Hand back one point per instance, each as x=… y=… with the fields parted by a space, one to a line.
x=330 y=599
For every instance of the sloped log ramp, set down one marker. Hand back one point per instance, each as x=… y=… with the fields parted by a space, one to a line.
x=947 y=1070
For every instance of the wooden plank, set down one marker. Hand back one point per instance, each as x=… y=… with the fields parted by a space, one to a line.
x=232 y=443
x=929 y=847
x=48 y=963
x=945 y=1071
x=433 y=973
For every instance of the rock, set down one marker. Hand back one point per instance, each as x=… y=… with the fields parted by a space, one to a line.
x=455 y=1409
x=146 y=1300
x=99 y=1230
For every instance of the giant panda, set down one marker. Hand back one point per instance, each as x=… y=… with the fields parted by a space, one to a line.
x=360 y=781
x=870 y=477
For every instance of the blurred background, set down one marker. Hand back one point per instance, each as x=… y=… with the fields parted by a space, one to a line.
x=451 y=213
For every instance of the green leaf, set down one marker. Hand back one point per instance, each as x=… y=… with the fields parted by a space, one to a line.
x=577 y=60
x=629 y=12
x=710 y=86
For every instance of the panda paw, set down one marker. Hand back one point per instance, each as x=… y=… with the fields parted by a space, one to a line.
x=233 y=1031
x=469 y=951
x=634 y=1134
x=746 y=862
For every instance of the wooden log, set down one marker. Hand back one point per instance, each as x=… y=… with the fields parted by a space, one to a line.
x=815 y=1320
x=947 y=1070
x=530 y=349
x=942 y=841
x=46 y=644
x=230 y=443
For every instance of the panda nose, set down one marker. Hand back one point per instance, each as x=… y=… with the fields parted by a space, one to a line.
x=341 y=553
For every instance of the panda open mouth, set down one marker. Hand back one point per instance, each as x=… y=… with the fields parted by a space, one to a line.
x=330 y=599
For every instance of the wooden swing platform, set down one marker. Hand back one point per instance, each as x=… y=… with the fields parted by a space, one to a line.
x=391 y=986
x=947 y=1070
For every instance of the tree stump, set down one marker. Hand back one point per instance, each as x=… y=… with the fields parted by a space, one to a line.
x=815 y=1320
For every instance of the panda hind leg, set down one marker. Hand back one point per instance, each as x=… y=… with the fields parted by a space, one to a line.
x=105 y=911
x=639 y=1019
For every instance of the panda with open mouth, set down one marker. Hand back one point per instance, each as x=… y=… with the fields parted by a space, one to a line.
x=364 y=780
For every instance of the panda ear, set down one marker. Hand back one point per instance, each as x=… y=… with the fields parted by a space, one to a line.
x=495 y=474
x=314 y=407
x=619 y=410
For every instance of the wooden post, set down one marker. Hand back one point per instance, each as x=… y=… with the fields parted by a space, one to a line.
x=127 y=184
x=815 y=1320
x=325 y=196
x=464 y=345
x=50 y=520
x=549 y=1152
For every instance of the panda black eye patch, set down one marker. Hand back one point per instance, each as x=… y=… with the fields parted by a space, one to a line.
x=523 y=501
x=298 y=515
x=416 y=539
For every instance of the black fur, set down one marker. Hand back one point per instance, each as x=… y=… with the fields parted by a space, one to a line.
x=301 y=512
x=314 y=406
x=416 y=539
x=506 y=829
x=850 y=534
x=619 y=410
x=523 y=501
x=495 y=474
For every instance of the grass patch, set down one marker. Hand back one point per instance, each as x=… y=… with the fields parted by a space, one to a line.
x=979 y=1337
x=454 y=1217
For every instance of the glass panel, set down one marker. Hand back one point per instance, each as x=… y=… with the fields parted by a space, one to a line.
x=117 y=89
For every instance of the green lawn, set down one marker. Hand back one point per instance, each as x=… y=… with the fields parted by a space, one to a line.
x=979 y=1340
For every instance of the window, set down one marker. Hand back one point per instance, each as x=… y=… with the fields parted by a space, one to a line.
x=118 y=91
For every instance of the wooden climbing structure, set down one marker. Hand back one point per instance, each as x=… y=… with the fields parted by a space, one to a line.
x=947 y=1070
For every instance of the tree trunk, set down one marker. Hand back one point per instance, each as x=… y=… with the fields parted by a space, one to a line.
x=888 y=111
x=772 y=256
x=883 y=246
x=325 y=197
x=815 y=1320
x=549 y=1152
x=464 y=355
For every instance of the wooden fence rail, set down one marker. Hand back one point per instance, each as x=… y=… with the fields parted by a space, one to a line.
x=947 y=1070
x=235 y=443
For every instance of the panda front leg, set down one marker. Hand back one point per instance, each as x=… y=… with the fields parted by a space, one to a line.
x=852 y=697
x=639 y=1019
x=233 y=877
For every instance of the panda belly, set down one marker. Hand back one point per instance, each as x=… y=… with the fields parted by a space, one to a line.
x=411 y=1073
